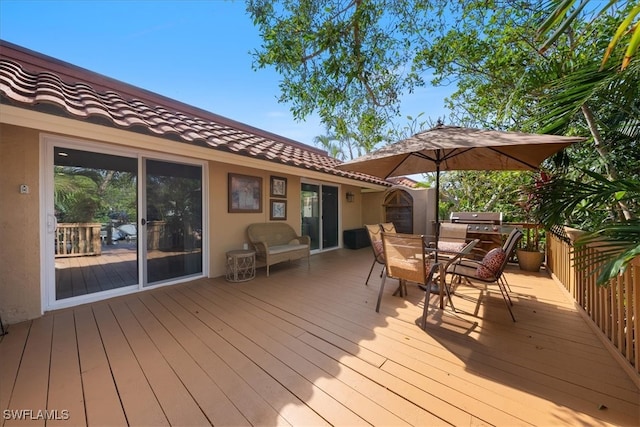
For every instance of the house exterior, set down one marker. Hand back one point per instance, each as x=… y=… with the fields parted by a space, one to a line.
x=192 y=181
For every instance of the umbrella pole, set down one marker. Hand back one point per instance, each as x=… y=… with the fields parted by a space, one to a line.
x=437 y=224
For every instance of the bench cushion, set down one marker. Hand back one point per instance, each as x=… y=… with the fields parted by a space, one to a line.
x=286 y=248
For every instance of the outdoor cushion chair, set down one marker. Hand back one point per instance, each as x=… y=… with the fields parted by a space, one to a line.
x=491 y=268
x=452 y=237
x=375 y=236
x=439 y=284
x=408 y=259
x=388 y=227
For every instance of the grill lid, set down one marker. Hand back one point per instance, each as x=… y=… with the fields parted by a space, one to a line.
x=494 y=218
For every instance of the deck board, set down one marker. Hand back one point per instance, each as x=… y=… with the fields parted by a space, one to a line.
x=31 y=384
x=218 y=408
x=65 y=381
x=175 y=400
x=293 y=384
x=305 y=360
x=306 y=347
x=138 y=399
x=247 y=386
x=11 y=352
x=102 y=402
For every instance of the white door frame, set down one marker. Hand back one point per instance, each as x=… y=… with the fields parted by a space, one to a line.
x=47 y=215
x=321 y=230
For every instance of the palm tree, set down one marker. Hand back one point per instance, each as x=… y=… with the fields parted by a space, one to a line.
x=570 y=201
x=564 y=201
x=565 y=12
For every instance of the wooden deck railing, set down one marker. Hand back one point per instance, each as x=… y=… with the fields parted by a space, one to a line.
x=78 y=239
x=614 y=309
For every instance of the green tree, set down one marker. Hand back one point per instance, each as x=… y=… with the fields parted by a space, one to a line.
x=353 y=60
x=348 y=60
x=607 y=99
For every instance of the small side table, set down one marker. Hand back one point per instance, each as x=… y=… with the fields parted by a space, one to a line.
x=241 y=265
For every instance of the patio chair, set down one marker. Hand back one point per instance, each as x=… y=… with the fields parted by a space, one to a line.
x=375 y=236
x=408 y=259
x=439 y=284
x=388 y=227
x=491 y=268
x=452 y=236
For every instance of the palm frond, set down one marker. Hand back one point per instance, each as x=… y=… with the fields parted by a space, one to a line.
x=558 y=198
x=613 y=247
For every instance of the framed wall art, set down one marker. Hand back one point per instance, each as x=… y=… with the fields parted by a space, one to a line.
x=278 y=210
x=278 y=186
x=245 y=193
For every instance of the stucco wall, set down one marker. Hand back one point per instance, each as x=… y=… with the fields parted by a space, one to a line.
x=372 y=210
x=351 y=211
x=227 y=231
x=423 y=208
x=19 y=224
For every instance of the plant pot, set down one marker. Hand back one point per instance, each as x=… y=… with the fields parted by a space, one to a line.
x=529 y=260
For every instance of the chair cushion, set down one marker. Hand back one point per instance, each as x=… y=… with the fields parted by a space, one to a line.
x=377 y=247
x=491 y=263
x=450 y=246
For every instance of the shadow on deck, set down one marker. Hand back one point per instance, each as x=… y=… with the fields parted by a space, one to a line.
x=306 y=347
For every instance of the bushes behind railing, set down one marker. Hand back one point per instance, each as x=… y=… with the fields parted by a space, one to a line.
x=614 y=308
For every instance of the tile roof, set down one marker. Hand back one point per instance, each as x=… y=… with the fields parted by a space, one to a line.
x=403 y=180
x=31 y=80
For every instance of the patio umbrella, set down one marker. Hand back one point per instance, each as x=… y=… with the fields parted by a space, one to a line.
x=448 y=148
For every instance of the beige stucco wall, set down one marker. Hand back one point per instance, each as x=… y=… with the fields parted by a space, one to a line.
x=351 y=211
x=372 y=210
x=19 y=224
x=227 y=231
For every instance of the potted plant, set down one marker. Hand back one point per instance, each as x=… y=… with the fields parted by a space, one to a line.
x=530 y=257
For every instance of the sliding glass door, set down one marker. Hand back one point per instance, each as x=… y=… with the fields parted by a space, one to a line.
x=319 y=206
x=110 y=228
x=173 y=221
x=93 y=223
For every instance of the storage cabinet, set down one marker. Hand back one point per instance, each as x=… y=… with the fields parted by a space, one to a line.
x=356 y=238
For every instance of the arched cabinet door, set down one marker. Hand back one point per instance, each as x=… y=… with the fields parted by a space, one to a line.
x=398 y=208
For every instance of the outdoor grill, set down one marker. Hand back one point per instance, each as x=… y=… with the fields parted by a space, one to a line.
x=486 y=226
x=479 y=222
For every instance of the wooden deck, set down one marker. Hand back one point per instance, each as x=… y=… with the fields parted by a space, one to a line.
x=306 y=347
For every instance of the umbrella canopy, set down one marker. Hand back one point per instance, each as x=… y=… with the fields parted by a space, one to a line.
x=456 y=148
x=447 y=148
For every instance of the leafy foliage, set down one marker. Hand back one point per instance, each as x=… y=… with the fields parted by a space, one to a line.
x=587 y=200
x=93 y=195
x=486 y=191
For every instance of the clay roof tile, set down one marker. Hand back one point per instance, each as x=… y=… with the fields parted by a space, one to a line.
x=93 y=97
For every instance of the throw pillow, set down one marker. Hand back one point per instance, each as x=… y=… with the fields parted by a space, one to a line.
x=491 y=263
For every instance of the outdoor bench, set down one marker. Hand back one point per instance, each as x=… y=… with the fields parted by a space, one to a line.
x=276 y=242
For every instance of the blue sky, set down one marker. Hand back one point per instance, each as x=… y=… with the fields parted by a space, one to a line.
x=197 y=52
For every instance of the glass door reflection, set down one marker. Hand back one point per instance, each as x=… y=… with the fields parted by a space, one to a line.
x=95 y=203
x=310 y=196
x=173 y=221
